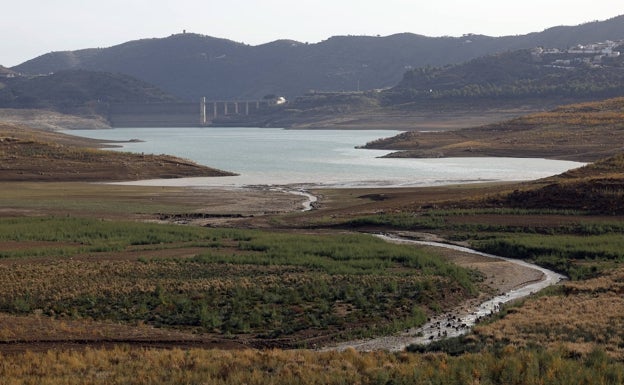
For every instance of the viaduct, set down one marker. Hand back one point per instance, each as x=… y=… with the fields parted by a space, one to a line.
x=185 y=114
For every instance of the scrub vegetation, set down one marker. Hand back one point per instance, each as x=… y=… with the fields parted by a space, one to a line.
x=225 y=282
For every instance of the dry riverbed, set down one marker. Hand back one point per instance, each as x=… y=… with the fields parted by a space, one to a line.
x=509 y=279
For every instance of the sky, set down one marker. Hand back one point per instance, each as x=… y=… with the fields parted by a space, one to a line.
x=29 y=28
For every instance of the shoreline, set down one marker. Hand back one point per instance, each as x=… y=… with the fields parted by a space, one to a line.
x=332 y=161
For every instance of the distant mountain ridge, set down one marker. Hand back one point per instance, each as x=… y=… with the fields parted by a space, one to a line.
x=191 y=66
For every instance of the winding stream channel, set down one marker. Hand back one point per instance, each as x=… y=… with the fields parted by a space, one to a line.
x=454 y=323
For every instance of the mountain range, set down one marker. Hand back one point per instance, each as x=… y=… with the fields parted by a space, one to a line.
x=190 y=66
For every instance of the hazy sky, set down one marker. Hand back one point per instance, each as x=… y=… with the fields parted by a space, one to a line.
x=30 y=28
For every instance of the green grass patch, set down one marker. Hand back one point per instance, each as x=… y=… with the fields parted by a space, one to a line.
x=579 y=248
x=579 y=257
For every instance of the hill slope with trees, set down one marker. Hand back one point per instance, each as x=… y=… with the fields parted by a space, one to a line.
x=191 y=66
x=515 y=75
x=77 y=91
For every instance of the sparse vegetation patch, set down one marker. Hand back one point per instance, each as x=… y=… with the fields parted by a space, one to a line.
x=230 y=281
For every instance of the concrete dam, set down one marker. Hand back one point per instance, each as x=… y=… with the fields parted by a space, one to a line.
x=184 y=114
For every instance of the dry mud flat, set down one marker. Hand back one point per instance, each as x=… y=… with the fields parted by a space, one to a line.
x=235 y=206
x=512 y=279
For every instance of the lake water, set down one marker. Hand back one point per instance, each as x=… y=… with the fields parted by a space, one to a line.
x=271 y=156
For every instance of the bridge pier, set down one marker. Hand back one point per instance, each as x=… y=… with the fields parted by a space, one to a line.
x=202 y=112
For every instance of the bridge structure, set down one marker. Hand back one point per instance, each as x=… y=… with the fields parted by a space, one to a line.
x=210 y=110
x=182 y=114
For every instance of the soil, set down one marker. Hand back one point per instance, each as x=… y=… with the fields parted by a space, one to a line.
x=404 y=120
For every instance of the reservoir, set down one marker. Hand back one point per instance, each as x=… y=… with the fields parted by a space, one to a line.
x=327 y=158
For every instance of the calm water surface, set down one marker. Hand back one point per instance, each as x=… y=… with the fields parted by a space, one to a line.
x=271 y=156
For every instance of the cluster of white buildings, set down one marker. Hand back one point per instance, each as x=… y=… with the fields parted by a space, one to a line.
x=7 y=73
x=592 y=54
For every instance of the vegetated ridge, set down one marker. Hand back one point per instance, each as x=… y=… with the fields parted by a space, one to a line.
x=595 y=71
x=191 y=66
x=78 y=92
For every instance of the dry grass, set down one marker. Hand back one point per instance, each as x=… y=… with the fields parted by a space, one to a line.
x=131 y=366
x=584 y=132
x=586 y=315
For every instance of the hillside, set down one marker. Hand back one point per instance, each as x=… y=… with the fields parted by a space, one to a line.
x=77 y=91
x=191 y=66
x=596 y=72
x=583 y=132
x=597 y=187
